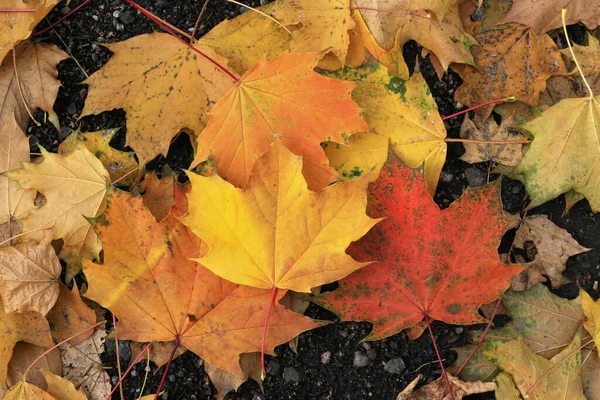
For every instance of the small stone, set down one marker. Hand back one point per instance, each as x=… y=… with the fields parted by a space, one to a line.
x=343 y=334
x=114 y=380
x=180 y=374
x=395 y=366
x=116 y=14
x=446 y=177
x=366 y=346
x=360 y=360
x=127 y=17
x=291 y=375
x=326 y=357
x=95 y=17
x=274 y=367
x=171 y=378
x=372 y=354
x=65 y=10
x=459 y=330
x=476 y=177
x=134 y=372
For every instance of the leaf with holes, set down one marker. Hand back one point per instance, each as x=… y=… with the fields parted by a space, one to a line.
x=431 y=263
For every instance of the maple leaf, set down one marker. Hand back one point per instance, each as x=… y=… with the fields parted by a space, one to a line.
x=526 y=368
x=508 y=154
x=587 y=57
x=276 y=233
x=283 y=98
x=27 y=391
x=158 y=194
x=61 y=388
x=149 y=282
x=401 y=112
x=430 y=263
x=554 y=246
x=438 y=390
x=591 y=310
x=14 y=150
x=162 y=85
x=159 y=353
x=17 y=26
x=70 y=316
x=543 y=16
x=510 y=61
x=29 y=277
x=384 y=34
x=24 y=354
x=246 y=39
x=555 y=162
x=29 y=327
x=75 y=189
x=38 y=77
x=226 y=382
x=117 y=163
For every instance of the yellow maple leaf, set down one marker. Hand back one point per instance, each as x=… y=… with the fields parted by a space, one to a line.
x=27 y=391
x=61 y=388
x=276 y=233
x=162 y=85
x=75 y=187
x=591 y=309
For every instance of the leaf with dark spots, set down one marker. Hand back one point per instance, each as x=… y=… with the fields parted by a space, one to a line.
x=430 y=263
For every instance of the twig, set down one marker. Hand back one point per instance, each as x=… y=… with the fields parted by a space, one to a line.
x=118 y=357
x=263 y=373
x=164 y=377
x=14 y=54
x=197 y=24
x=439 y=356
x=73 y=11
x=261 y=13
x=487 y=103
x=129 y=369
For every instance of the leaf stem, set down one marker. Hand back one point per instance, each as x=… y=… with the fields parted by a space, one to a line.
x=263 y=373
x=391 y=11
x=461 y=140
x=197 y=24
x=261 y=13
x=564 y=24
x=57 y=345
x=26 y=233
x=164 y=377
x=545 y=374
x=73 y=11
x=118 y=357
x=439 y=356
x=487 y=103
x=14 y=54
x=485 y=332
x=129 y=369
x=170 y=31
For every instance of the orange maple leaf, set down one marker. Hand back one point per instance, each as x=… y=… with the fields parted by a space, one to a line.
x=149 y=282
x=432 y=263
x=287 y=99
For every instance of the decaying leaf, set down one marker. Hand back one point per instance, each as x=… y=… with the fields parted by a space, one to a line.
x=158 y=195
x=37 y=69
x=282 y=98
x=75 y=189
x=510 y=61
x=70 y=316
x=162 y=85
x=27 y=391
x=401 y=112
x=226 y=382
x=149 y=282
x=160 y=352
x=554 y=246
x=82 y=366
x=508 y=154
x=430 y=263
x=24 y=354
x=276 y=232
x=117 y=163
x=61 y=388
x=29 y=277
x=438 y=389
x=588 y=58
x=543 y=16
x=526 y=368
x=591 y=310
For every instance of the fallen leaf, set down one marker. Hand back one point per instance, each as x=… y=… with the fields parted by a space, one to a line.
x=276 y=232
x=166 y=87
x=403 y=112
x=160 y=352
x=479 y=367
x=61 y=388
x=488 y=130
x=74 y=186
x=24 y=354
x=26 y=391
x=554 y=246
x=226 y=382
x=478 y=19
x=158 y=195
x=282 y=98
x=588 y=58
x=531 y=275
x=438 y=389
x=365 y=153
x=434 y=25
x=70 y=316
x=526 y=368
x=17 y=26
x=546 y=15
x=506 y=388
x=38 y=77
x=29 y=327
x=431 y=263
x=407 y=392
x=158 y=294
x=246 y=39
x=591 y=309
x=554 y=163
x=29 y=277
x=117 y=163
x=82 y=366
x=589 y=373
x=15 y=202
x=509 y=61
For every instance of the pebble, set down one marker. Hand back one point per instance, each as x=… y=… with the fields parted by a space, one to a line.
x=180 y=374
x=127 y=17
x=326 y=357
x=366 y=346
x=372 y=354
x=291 y=375
x=274 y=367
x=446 y=176
x=171 y=378
x=116 y=14
x=459 y=330
x=133 y=372
x=114 y=380
x=395 y=366
x=360 y=360
x=476 y=177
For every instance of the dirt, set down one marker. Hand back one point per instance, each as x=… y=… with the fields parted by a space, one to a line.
x=324 y=367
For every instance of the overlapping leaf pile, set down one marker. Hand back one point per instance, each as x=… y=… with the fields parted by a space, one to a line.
x=303 y=111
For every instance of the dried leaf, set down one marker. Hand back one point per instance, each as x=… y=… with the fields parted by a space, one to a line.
x=61 y=388
x=24 y=354
x=226 y=382
x=158 y=195
x=591 y=309
x=438 y=389
x=26 y=391
x=70 y=316
x=160 y=352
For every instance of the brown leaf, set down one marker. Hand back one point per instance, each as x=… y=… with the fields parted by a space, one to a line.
x=24 y=354
x=438 y=389
x=70 y=315
x=158 y=197
x=554 y=246
x=160 y=352
x=226 y=382
x=29 y=276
